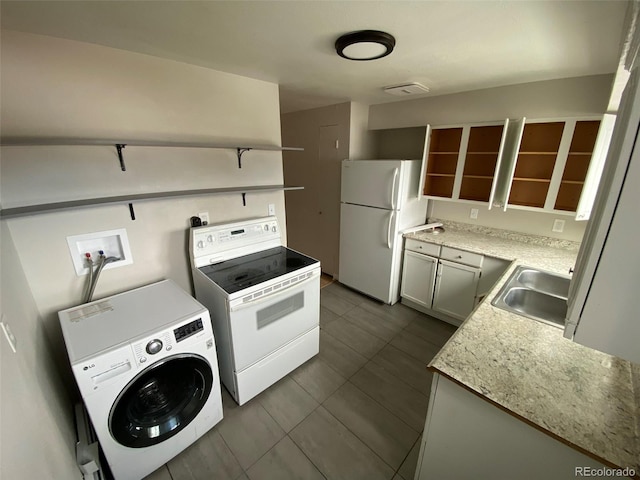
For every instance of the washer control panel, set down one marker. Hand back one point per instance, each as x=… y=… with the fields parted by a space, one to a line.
x=154 y=346
x=149 y=348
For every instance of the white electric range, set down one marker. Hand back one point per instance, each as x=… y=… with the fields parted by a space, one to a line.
x=264 y=300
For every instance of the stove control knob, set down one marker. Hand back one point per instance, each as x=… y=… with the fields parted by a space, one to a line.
x=273 y=229
x=200 y=244
x=266 y=228
x=210 y=239
x=154 y=346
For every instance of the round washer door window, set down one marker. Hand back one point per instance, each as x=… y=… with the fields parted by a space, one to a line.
x=161 y=401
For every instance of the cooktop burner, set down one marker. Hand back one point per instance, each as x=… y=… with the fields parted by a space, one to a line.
x=249 y=270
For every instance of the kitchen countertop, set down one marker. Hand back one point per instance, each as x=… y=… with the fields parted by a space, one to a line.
x=579 y=395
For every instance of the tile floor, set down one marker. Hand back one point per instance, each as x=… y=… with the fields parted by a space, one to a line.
x=355 y=411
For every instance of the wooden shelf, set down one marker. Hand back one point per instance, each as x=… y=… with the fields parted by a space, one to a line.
x=483 y=177
x=573 y=182
x=531 y=179
x=482 y=153
x=121 y=144
x=48 y=142
x=439 y=186
x=537 y=153
x=129 y=199
x=443 y=153
x=440 y=174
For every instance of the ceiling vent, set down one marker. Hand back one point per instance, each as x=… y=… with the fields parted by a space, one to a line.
x=406 y=89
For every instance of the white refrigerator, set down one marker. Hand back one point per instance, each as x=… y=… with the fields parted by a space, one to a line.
x=379 y=199
x=604 y=309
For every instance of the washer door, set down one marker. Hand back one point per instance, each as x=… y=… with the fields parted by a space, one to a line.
x=160 y=401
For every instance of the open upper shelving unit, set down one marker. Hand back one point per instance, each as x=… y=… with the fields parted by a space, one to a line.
x=536 y=160
x=575 y=170
x=129 y=199
x=480 y=162
x=444 y=148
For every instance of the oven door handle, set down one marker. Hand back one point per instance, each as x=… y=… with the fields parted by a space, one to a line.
x=269 y=296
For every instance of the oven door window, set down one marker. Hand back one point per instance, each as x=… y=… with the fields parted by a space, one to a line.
x=279 y=310
x=161 y=401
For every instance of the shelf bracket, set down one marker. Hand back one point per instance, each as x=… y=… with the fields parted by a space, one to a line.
x=119 y=147
x=244 y=199
x=240 y=152
x=131 y=212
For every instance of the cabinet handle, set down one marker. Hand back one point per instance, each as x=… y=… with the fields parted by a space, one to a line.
x=459 y=256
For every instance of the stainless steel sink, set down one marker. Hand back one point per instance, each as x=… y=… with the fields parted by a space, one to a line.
x=535 y=294
x=544 y=282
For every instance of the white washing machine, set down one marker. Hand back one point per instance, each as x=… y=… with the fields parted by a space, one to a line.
x=145 y=363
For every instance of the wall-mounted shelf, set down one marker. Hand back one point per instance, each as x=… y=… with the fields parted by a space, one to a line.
x=129 y=199
x=121 y=144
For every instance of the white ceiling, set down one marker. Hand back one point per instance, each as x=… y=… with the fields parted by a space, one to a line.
x=449 y=46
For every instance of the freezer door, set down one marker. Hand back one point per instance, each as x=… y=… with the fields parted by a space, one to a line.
x=375 y=183
x=367 y=250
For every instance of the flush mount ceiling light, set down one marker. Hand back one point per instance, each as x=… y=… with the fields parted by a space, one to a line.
x=365 y=45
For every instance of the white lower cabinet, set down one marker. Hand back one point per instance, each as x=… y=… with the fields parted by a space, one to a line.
x=455 y=289
x=418 y=278
x=442 y=282
x=467 y=437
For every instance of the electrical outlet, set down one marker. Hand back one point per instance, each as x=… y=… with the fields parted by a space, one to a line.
x=204 y=217
x=272 y=209
x=474 y=213
x=8 y=334
x=558 y=226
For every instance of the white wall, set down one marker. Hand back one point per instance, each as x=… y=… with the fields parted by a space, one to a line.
x=361 y=142
x=60 y=88
x=536 y=223
x=571 y=97
x=36 y=426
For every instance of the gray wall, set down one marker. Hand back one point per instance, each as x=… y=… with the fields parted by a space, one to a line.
x=60 y=88
x=314 y=215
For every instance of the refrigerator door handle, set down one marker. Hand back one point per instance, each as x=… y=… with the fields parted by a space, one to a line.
x=391 y=214
x=393 y=189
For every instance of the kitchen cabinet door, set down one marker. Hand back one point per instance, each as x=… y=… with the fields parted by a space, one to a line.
x=418 y=278
x=455 y=290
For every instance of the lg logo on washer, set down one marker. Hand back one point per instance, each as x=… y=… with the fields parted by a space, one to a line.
x=87 y=367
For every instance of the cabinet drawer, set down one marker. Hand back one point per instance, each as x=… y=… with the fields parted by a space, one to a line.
x=418 y=246
x=460 y=256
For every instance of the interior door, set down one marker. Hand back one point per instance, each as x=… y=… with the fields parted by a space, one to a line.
x=327 y=232
x=367 y=241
